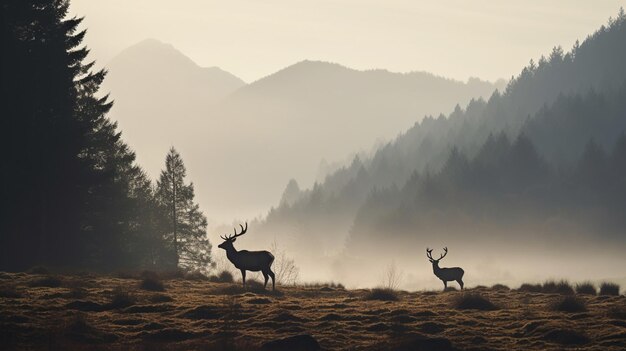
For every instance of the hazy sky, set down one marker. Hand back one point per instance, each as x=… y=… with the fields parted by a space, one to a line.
x=489 y=39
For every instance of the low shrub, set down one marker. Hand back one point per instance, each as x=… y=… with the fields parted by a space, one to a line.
x=152 y=284
x=533 y=288
x=381 y=294
x=562 y=287
x=569 y=304
x=611 y=289
x=500 y=287
x=473 y=301
x=223 y=277
x=586 y=288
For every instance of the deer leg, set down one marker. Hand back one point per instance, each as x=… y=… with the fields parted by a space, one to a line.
x=445 y=285
x=243 y=275
x=460 y=283
x=266 y=278
x=271 y=274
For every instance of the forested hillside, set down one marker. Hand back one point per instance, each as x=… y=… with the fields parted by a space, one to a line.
x=529 y=154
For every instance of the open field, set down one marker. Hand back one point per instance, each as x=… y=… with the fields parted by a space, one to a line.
x=89 y=312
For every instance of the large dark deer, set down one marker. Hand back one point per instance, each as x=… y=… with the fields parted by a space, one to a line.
x=445 y=274
x=253 y=261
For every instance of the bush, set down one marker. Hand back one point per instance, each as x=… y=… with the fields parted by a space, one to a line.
x=223 y=277
x=586 y=288
x=569 y=304
x=382 y=294
x=473 y=301
x=562 y=287
x=47 y=282
x=121 y=299
x=526 y=287
x=500 y=287
x=152 y=284
x=611 y=289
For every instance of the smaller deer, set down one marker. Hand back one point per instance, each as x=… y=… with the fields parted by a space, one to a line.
x=445 y=274
x=253 y=261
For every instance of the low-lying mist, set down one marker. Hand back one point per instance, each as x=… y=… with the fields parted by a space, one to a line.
x=489 y=254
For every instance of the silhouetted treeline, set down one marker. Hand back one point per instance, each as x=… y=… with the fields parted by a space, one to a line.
x=543 y=122
x=507 y=182
x=72 y=195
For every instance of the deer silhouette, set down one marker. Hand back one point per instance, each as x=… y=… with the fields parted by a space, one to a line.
x=243 y=260
x=445 y=274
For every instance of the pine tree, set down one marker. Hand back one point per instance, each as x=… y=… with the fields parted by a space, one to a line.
x=185 y=225
x=73 y=195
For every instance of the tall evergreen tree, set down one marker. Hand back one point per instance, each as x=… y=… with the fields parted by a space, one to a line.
x=185 y=225
x=73 y=193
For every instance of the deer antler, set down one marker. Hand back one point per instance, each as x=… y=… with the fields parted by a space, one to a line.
x=444 y=255
x=429 y=253
x=231 y=237
x=243 y=230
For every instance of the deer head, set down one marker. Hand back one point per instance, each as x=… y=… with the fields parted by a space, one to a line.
x=230 y=239
x=435 y=262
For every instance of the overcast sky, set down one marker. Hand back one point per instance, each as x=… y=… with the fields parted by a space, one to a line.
x=489 y=39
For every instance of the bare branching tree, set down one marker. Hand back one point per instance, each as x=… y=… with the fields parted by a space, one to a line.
x=392 y=277
x=287 y=273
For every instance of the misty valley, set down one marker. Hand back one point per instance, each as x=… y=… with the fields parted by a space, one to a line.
x=151 y=203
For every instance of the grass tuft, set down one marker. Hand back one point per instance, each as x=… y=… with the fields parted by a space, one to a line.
x=562 y=287
x=569 y=304
x=532 y=288
x=223 y=277
x=586 y=288
x=382 y=294
x=610 y=289
x=473 y=301
x=500 y=287
x=152 y=284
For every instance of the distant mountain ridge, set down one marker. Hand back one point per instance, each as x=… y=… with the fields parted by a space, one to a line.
x=270 y=130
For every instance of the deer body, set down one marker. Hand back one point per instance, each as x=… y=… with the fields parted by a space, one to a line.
x=446 y=274
x=244 y=260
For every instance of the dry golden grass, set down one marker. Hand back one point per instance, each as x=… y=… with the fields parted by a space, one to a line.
x=202 y=315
